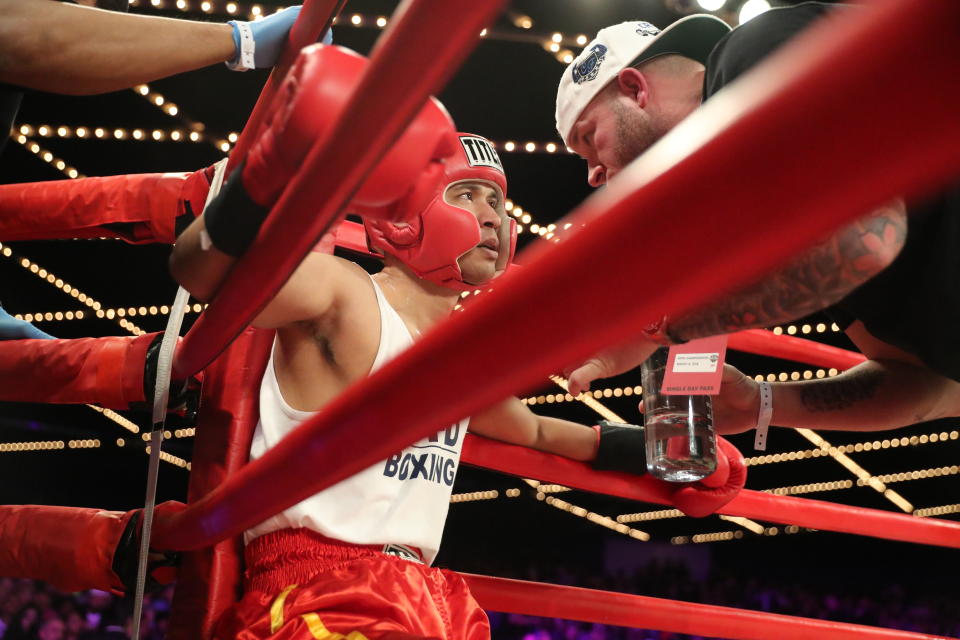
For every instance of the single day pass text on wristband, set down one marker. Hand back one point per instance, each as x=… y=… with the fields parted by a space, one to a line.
x=695 y=368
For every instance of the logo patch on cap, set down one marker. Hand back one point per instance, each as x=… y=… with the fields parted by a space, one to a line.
x=480 y=153
x=587 y=69
x=646 y=29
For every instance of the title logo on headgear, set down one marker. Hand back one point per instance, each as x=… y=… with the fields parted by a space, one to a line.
x=587 y=69
x=646 y=29
x=480 y=153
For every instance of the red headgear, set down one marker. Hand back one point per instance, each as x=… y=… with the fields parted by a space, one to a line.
x=429 y=235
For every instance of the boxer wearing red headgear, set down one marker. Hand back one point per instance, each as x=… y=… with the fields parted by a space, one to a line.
x=353 y=560
x=433 y=239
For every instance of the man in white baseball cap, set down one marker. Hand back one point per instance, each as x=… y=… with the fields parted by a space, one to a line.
x=634 y=83
x=612 y=64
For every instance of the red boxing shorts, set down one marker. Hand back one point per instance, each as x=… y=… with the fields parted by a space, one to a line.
x=300 y=585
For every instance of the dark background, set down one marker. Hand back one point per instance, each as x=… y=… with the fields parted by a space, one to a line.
x=505 y=91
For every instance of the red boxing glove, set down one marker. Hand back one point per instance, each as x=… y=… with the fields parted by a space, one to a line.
x=307 y=105
x=702 y=498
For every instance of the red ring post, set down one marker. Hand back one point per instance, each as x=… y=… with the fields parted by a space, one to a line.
x=432 y=38
x=827 y=92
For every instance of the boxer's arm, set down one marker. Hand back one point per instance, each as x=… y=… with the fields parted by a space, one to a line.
x=199 y=269
x=313 y=289
x=65 y=48
x=511 y=421
x=819 y=278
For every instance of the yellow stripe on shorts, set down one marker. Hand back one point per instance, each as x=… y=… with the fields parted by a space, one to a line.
x=276 y=609
x=320 y=632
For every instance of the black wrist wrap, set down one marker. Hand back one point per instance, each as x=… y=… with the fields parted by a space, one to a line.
x=232 y=218
x=622 y=448
x=184 y=395
x=127 y=554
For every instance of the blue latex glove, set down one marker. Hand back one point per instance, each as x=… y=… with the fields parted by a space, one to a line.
x=13 y=329
x=268 y=36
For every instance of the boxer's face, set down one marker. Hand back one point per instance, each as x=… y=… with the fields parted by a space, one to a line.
x=482 y=200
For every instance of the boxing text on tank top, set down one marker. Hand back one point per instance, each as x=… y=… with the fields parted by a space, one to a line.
x=402 y=500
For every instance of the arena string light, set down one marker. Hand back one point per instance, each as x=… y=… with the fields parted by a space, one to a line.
x=46 y=155
x=68 y=289
x=196 y=133
x=25 y=133
x=857 y=470
x=93 y=443
x=941 y=437
x=81 y=132
x=595 y=518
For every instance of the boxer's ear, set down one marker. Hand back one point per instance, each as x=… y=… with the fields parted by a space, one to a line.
x=633 y=84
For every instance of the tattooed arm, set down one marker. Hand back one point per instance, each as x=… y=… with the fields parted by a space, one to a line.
x=873 y=396
x=821 y=277
x=814 y=281
x=892 y=389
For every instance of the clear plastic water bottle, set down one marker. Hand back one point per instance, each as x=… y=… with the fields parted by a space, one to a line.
x=681 y=443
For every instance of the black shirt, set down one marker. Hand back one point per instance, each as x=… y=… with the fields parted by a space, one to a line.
x=913 y=304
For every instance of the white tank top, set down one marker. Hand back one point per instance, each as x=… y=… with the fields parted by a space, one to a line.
x=402 y=500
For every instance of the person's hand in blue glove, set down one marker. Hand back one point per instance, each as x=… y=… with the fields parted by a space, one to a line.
x=260 y=43
x=13 y=329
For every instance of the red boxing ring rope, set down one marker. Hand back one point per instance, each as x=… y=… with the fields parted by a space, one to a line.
x=828 y=88
x=767 y=343
x=606 y=607
x=757 y=505
x=431 y=37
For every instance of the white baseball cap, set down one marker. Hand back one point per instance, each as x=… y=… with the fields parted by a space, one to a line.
x=628 y=44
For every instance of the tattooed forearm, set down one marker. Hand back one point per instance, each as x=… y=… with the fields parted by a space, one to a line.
x=841 y=393
x=821 y=277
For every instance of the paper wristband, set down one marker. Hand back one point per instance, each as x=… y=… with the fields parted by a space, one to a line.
x=244 y=61
x=763 y=419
